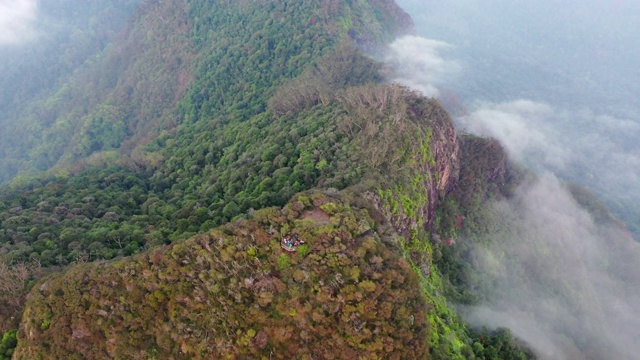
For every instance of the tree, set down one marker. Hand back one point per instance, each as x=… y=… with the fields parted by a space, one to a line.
x=7 y=344
x=13 y=289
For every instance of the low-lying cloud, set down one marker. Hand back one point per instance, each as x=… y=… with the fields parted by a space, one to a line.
x=17 y=20
x=600 y=151
x=419 y=63
x=522 y=126
x=564 y=284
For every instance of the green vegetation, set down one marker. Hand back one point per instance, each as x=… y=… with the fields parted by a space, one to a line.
x=7 y=344
x=178 y=159
x=226 y=293
x=201 y=174
x=498 y=344
x=40 y=78
x=198 y=63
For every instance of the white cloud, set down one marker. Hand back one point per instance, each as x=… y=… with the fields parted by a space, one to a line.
x=523 y=127
x=559 y=281
x=17 y=18
x=418 y=63
x=600 y=151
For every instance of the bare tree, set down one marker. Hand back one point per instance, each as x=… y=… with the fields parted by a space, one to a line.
x=14 y=279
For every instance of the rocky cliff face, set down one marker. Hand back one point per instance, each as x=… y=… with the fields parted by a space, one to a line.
x=428 y=175
x=445 y=169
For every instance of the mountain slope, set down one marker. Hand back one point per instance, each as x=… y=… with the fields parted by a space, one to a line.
x=193 y=164
x=234 y=292
x=69 y=35
x=217 y=54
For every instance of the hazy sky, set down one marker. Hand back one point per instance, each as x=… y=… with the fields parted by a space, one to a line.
x=17 y=18
x=567 y=53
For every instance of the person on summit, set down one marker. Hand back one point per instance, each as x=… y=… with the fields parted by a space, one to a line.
x=290 y=243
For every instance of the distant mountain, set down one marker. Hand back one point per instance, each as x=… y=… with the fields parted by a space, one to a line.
x=106 y=78
x=68 y=38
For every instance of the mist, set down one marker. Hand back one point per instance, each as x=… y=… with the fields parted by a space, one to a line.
x=419 y=63
x=597 y=150
x=46 y=46
x=17 y=19
x=550 y=81
x=562 y=283
x=575 y=62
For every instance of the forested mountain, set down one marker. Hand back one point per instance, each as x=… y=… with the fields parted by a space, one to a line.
x=161 y=169
x=38 y=75
x=91 y=100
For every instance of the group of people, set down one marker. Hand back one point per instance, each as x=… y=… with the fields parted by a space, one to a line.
x=291 y=242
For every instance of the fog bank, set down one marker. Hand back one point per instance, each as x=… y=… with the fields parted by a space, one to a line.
x=17 y=18
x=599 y=151
x=565 y=285
x=419 y=63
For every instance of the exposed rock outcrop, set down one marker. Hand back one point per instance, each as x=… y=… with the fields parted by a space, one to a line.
x=432 y=172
